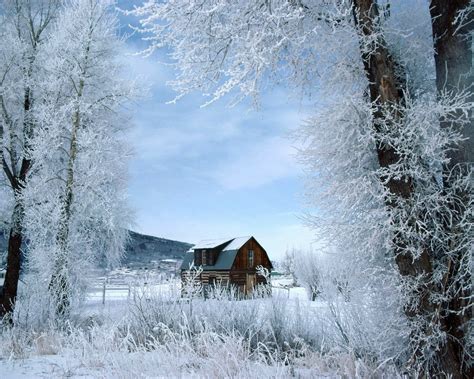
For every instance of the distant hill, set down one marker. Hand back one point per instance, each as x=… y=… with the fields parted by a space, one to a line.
x=141 y=251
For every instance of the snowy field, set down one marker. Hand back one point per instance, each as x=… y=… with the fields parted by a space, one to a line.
x=142 y=328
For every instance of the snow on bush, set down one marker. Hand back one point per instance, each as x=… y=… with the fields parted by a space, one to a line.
x=221 y=336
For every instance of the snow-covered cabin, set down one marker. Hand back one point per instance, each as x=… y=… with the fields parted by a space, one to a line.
x=228 y=262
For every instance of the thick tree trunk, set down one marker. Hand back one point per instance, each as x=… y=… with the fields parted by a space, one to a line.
x=17 y=182
x=454 y=73
x=45 y=13
x=453 y=59
x=386 y=90
x=12 y=276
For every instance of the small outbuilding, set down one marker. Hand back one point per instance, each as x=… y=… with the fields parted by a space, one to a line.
x=229 y=262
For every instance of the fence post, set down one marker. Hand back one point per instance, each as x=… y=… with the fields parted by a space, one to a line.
x=103 y=291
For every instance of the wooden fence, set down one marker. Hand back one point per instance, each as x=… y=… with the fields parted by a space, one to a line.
x=115 y=288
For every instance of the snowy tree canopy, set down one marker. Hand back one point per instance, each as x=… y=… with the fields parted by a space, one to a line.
x=63 y=136
x=79 y=151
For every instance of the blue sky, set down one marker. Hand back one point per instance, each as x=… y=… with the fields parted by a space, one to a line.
x=214 y=172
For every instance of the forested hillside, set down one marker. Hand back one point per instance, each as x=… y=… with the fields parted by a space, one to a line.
x=141 y=250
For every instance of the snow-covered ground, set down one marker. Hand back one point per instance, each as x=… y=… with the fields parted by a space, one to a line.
x=142 y=328
x=46 y=366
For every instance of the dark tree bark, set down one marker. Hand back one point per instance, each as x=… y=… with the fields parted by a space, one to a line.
x=453 y=60
x=454 y=73
x=12 y=276
x=384 y=87
x=386 y=90
x=31 y=18
x=17 y=182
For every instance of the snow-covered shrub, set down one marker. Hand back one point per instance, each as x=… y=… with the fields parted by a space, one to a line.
x=145 y=314
x=353 y=316
x=108 y=350
x=288 y=265
x=307 y=270
x=290 y=337
x=223 y=336
x=15 y=342
x=192 y=286
x=47 y=343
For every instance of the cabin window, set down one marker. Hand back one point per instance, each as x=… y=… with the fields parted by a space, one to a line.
x=204 y=257
x=250 y=258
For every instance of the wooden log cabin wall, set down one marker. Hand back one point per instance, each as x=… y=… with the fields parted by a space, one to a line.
x=231 y=262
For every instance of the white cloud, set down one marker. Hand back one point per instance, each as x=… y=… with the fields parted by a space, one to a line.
x=235 y=148
x=186 y=136
x=145 y=71
x=257 y=163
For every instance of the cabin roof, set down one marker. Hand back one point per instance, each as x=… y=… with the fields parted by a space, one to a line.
x=210 y=244
x=231 y=243
x=224 y=261
x=237 y=243
x=225 y=258
x=187 y=260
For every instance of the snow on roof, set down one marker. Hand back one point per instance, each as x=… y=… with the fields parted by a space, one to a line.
x=237 y=243
x=209 y=244
x=225 y=258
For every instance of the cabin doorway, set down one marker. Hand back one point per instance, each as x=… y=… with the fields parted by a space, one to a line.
x=250 y=283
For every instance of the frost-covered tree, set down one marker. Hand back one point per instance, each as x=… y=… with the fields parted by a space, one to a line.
x=381 y=146
x=432 y=247
x=77 y=213
x=24 y=28
x=288 y=265
x=452 y=24
x=308 y=269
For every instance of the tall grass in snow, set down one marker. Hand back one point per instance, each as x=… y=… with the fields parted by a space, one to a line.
x=221 y=336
